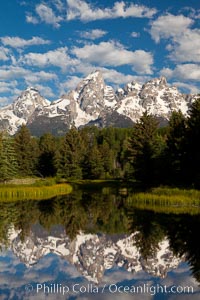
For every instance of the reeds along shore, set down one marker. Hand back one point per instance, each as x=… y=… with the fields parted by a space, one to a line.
x=170 y=200
x=11 y=193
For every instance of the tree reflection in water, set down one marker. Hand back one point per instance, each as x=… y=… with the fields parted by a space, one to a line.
x=109 y=213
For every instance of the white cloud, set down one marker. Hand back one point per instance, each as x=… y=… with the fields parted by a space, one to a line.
x=183 y=72
x=7 y=86
x=58 y=4
x=168 y=26
x=185 y=48
x=47 y=15
x=3 y=101
x=118 y=78
x=183 y=41
x=110 y=75
x=84 y=68
x=31 y=19
x=58 y=57
x=189 y=88
x=4 y=53
x=45 y=90
x=79 y=9
x=34 y=77
x=135 y=34
x=70 y=84
x=17 y=42
x=114 y=54
x=12 y=72
x=93 y=34
x=193 y=13
x=17 y=73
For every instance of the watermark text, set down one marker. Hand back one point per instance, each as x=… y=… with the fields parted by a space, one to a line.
x=58 y=288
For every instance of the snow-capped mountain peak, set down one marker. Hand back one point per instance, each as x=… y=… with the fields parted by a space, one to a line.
x=92 y=254
x=26 y=104
x=93 y=102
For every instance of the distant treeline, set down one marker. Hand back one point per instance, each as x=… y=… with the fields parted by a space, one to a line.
x=145 y=153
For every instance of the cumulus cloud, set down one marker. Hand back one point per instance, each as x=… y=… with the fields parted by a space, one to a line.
x=3 y=102
x=114 y=54
x=79 y=9
x=185 y=48
x=59 y=5
x=183 y=41
x=119 y=78
x=135 y=34
x=7 y=86
x=110 y=76
x=85 y=11
x=17 y=42
x=34 y=77
x=13 y=72
x=168 y=26
x=4 y=53
x=70 y=84
x=31 y=19
x=116 y=78
x=47 y=15
x=93 y=34
x=189 y=88
x=45 y=90
x=183 y=72
x=57 y=57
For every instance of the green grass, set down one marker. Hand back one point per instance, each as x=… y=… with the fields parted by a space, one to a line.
x=169 y=200
x=22 y=192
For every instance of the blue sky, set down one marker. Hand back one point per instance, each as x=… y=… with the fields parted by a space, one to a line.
x=52 y=44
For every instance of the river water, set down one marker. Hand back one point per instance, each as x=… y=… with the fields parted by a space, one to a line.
x=97 y=245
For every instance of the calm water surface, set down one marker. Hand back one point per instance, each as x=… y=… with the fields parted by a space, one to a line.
x=97 y=245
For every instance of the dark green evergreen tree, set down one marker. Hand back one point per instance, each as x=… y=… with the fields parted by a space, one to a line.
x=144 y=149
x=8 y=160
x=46 y=163
x=71 y=155
x=192 y=164
x=107 y=159
x=27 y=152
x=94 y=163
x=174 y=156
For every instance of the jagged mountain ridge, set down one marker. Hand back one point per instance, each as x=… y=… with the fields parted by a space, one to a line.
x=93 y=254
x=93 y=103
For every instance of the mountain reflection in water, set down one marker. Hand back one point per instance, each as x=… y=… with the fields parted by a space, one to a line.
x=95 y=233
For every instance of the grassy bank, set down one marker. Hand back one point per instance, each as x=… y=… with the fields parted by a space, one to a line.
x=168 y=200
x=33 y=192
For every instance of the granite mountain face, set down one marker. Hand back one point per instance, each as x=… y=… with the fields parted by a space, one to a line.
x=93 y=103
x=93 y=254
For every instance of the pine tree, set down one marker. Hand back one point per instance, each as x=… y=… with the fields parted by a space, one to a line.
x=144 y=148
x=107 y=158
x=8 y=161
x=175 y=148
x=27 y=152
x=94 y=163
x=71 y=155
x=192 y=164
x=46 y=164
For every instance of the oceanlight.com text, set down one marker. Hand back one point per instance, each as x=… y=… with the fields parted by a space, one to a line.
x=56 y=288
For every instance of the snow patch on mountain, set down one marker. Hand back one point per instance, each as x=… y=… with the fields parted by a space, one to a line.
x=92 y=254
x=92 y=102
